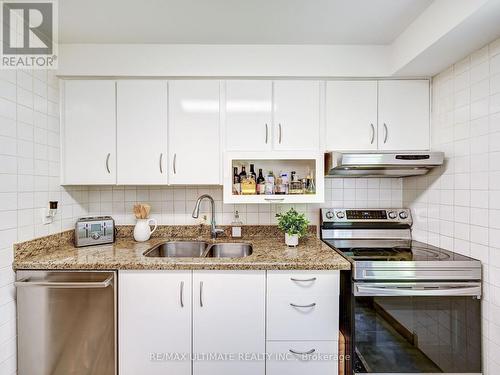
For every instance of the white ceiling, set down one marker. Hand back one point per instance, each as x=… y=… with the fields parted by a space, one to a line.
x=236 y=21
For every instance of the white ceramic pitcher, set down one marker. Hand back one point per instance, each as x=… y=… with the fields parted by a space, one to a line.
x=142 y=229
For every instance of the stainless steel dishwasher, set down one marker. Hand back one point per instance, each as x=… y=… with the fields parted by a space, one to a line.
x=66 y=323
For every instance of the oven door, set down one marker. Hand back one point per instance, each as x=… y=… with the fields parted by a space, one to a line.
x=422 y=328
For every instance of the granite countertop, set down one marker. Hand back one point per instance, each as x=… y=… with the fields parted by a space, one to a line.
x=269 y=252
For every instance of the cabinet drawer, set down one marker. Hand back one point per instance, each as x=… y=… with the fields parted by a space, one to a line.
x=303 y=283
x=309 y=318
x=323 y=359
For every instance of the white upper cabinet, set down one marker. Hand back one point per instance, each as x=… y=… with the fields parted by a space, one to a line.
x=194 y=132
x=248 y=125
x=141 y=132
x=88 y=131
x=377 y=115
x=403 y=115
x=229 y=317
x=351 y=115
x=297 y=115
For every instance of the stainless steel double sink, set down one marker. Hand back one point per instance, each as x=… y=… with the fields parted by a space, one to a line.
x=200 y=249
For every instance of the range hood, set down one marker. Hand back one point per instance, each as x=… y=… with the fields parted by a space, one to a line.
x=394 y=164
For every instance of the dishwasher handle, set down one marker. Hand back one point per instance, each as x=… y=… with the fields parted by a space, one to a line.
x=23 y=283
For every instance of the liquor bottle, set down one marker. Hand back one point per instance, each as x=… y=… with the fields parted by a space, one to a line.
x=296 y=186
x=236 y=182
x=252 y=171
x=248 y=185
x=254 y=176
x=261 y=183
x=243 y=174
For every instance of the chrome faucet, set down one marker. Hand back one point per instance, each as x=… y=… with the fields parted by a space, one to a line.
x=214 y=231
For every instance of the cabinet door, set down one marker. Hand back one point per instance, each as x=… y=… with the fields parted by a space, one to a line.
x=229 y=317
x=194 y=134
x=296 y=115
x=88 y=138
x=154 y=322
x=248 y=115
x=351 y=115
x=403 y=117
x=141 y=132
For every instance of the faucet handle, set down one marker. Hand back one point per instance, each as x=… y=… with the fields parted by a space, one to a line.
x=217 y=231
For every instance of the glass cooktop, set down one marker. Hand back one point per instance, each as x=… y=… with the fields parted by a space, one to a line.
x=415 y=252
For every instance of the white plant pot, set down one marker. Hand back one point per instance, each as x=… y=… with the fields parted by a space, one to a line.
x=292 y=239
x=142 y=230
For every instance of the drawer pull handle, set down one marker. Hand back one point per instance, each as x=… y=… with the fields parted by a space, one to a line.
x=301 y=353
x=303 y=306
x=303 y=280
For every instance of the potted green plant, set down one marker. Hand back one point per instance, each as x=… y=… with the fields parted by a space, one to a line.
x=294 y=225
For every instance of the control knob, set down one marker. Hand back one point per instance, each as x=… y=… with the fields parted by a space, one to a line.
x=95 y=236
x=329 y=215
x=403 y=215
x=340 y=214
x=392 y=214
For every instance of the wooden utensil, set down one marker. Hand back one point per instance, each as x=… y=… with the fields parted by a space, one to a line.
x=141 y=211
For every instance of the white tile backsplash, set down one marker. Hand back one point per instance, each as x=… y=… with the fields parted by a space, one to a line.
x=173 y=205
x=458 y=206
x=25 y=169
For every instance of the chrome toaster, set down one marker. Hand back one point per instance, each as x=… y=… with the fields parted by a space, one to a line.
x=96 y=230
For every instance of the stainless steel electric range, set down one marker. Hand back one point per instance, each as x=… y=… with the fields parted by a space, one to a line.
x=406 y=307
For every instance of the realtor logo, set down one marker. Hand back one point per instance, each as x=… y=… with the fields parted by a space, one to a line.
x=28 y=34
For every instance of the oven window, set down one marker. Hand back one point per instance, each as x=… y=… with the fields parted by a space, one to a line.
x=417 y=335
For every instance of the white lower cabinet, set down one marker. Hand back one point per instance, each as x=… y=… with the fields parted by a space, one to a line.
x=214 y=322
x=229 y=319
x=302 y=322
x=302 y=317
x=302 y=358
x=166 y=316
x=154 y=321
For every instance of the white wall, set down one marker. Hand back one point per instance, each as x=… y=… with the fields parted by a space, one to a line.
x=149 y=60
x=457 y=206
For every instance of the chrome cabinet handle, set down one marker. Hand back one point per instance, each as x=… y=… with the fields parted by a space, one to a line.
x=386 y=132
x=161 y=163
x=107 y=162
x=175 y=162
x=373 y=134
x=267 y=133
x=280 y=131
x=65 y=285
x=302 y=353
x=201 y=293
x=303 y=280
x=181 y=294
x=303 y=306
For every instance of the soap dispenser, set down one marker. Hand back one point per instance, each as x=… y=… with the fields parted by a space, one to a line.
x=236 y=226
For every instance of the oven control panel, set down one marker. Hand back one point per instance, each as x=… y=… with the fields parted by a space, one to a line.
x=355 y=215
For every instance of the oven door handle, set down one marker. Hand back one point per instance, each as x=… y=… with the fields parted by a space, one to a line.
x=394 y=290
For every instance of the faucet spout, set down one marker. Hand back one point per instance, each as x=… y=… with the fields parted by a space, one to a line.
x=196 y=213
